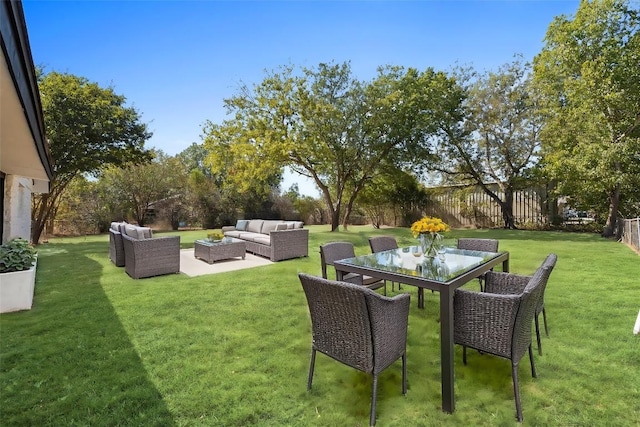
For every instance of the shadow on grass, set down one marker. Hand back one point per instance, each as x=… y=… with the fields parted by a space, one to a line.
x=69 y=361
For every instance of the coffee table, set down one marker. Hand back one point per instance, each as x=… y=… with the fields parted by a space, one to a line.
x=215 y=251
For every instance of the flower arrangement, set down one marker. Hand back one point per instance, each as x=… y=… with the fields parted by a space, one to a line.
x=428 y=229
x=428 y=224
x=215 y=236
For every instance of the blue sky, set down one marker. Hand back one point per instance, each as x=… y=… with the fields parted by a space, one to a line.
x=176 y=61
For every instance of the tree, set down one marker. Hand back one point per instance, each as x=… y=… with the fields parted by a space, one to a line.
x=497 y=136
x=88 y=128
x=157 y=185
x=589 y=71
x=328 y=126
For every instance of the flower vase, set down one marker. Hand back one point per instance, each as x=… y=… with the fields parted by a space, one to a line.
x=430 y=243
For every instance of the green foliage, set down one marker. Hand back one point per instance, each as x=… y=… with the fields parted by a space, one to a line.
x=326 y=125
x=16 y=255
x=158 y=184
x=588 y=72
x=496 y=137
x=89 y=128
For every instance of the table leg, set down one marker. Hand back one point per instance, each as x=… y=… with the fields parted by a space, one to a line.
x=446 y=349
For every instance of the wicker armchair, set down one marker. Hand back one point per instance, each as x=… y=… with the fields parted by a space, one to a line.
x=500 y=285
x=335 y=251
x=385 y=243
x=485 y=245
x=357 y=327
x=151 y=257
x=116 y=248
x=500 y=324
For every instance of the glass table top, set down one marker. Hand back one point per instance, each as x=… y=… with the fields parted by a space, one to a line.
x=215 y=242
x=445 y=267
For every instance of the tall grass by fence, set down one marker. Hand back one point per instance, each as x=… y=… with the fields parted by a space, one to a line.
x=631 y=233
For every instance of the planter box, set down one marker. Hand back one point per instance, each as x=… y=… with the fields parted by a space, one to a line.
x=16 y=290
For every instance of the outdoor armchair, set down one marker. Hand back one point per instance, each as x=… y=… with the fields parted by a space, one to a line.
x=116 y=248
x=384 y=243
x=151 y=257
x=357 y=327
x=485 y=245
x=503 y=283
x=500 y=324
x=335 y=251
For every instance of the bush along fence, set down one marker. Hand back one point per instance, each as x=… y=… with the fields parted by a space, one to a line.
x=631 y=233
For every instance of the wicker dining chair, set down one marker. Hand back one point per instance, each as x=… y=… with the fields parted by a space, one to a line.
x=517 y=286
x=335 y=251
x=384 y=243
x=485 y=245
x=499 y=323
x=357 y=327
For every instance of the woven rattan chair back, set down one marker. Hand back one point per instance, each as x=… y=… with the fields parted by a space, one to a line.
x=382 y=243
x=334 y=251
x=485 y=245
x=549 y=263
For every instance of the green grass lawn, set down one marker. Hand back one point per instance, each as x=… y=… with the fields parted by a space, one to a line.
x=101 y=349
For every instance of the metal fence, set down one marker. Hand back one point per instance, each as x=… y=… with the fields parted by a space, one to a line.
x=631 y=233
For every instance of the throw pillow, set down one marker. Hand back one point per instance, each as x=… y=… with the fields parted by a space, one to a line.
x=144 y=233
x=282 y=226
x=131 y=231
x=241 y=225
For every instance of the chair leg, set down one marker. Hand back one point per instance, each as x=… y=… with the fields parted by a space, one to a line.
x=533 y=366
x=516 y=391
x=464 y=354
x=544 y=318
x=311 y=367
x=374 y=395
x=404 y=373
x=420 y=298
x=535 y=320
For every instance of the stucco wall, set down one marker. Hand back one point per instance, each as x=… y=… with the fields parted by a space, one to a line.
x=17 y=206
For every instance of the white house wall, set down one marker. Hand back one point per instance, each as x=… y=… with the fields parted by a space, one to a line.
x=17 y=206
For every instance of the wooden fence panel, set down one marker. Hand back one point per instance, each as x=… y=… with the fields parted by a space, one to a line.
x=631 y=233
x=472 y=207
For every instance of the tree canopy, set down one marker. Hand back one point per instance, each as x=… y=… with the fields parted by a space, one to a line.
x=589 y=71
x=89 y=128
x=496 y=135
x=330 y=127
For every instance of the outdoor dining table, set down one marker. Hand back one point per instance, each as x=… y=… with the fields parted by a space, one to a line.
x=444 y=274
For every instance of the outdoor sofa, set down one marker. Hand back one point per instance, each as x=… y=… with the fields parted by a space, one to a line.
x=275 y=239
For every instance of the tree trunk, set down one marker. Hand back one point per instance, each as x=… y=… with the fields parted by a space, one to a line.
x=612 y=219
x=335 y=219
x=41 y=209
x=507 y=210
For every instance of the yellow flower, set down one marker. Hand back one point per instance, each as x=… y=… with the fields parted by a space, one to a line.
x=215 y=236
x=428 y=224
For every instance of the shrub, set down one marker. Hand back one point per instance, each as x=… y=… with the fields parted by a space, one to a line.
x=16 y=255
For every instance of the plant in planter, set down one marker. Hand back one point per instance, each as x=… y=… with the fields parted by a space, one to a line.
x=16 y=255
x=17 y=275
